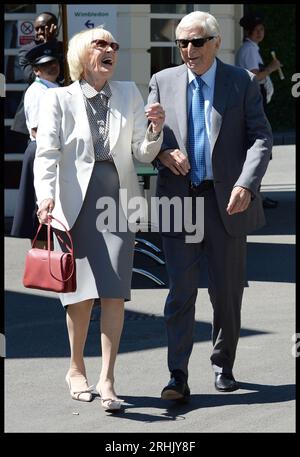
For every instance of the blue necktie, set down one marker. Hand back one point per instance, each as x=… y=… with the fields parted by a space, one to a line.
x=196 y=134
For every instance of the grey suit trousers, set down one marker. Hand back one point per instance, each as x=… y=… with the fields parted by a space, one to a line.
x=226 y=256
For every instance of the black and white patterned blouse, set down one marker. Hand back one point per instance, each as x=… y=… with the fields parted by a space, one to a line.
x=97 y=109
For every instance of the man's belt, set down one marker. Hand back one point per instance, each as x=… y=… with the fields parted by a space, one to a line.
x=204 y=185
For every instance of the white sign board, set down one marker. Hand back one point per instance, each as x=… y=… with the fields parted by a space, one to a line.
x=25 y=32
x=84 y=17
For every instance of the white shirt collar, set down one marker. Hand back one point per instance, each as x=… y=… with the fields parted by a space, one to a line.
x=252 y=43
x=49 y=84
x=46 y=83
x=90 y=92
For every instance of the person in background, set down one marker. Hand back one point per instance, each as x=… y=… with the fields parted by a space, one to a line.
x=248 y=56
x=217 y=144
x=45 y=29
x=85 y=141
x=45 y=64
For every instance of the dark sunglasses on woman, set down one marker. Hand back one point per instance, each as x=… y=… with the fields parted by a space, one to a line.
x=102 y=44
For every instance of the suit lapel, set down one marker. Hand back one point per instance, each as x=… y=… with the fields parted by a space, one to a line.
x=77 y=106
x=221 y=94
x=115 y=115
x=180 y=98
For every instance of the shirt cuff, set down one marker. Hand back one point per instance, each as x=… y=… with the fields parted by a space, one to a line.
x=151 y=136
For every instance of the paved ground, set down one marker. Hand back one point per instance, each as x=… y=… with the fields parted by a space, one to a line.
x=36 y=397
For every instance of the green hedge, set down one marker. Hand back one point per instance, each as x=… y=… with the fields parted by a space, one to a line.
x=280 y=36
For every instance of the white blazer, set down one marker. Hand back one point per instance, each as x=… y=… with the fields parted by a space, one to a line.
x=64 y=157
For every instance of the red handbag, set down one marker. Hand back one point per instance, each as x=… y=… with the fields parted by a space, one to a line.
x=50 y=270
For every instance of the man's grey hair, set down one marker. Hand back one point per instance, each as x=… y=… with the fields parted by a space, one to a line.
x=201 y=19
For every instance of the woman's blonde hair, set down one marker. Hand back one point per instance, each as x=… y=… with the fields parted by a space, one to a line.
x=78 y=46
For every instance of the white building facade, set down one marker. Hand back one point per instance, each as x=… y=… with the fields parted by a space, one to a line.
x=146 y=34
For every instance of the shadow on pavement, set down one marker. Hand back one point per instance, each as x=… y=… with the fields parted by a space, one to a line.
x=35 y=327
x=280 y=220
x=267 y=261
x=274 y=262
x=172 y=411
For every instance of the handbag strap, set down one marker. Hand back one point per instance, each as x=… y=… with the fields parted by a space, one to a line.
x=71 y=249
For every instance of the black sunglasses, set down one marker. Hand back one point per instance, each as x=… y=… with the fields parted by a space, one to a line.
x=197 y=42
x=103 y=44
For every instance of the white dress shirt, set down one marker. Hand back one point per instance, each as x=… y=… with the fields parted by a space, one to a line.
x=248 y=56
x=33 y=100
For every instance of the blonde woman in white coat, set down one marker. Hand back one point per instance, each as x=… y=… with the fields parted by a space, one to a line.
x=86 y=137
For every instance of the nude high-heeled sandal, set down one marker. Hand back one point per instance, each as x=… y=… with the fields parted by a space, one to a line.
x=81 y=395
x=110 y=405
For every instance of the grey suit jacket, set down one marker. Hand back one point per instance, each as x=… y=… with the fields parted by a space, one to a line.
x=241 y=138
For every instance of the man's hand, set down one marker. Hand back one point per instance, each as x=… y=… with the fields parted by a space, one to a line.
x=50 y=33
x=239 y=200
x=175 y=160
x=46 y=206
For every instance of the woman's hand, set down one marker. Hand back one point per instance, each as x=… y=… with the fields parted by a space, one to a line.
x=46 y=206
x=273 y=66
x=156 y=115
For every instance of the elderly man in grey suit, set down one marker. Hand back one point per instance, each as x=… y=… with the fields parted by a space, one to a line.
x=217 y=145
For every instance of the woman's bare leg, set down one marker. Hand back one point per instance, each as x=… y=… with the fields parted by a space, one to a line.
x=112 y=319
x=78 y=319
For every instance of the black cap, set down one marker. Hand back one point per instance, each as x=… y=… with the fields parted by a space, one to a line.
x=251 y=20
x=42 y=53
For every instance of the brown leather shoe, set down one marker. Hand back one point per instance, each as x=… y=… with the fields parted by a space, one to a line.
x=177 y=388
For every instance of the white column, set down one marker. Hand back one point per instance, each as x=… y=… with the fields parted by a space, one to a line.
x=226 y=16
x=134 y=38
